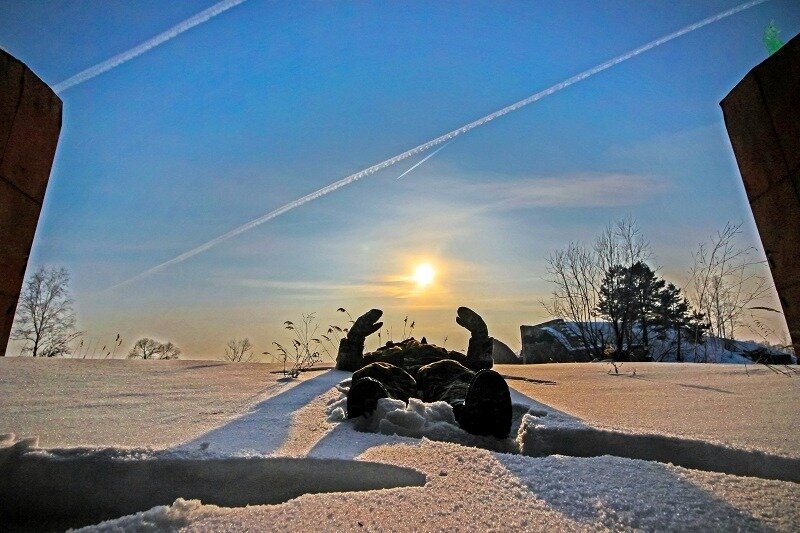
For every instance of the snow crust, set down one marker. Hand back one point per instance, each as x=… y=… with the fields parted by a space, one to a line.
x=159 y=518
x=556 y=434
x=474 y=489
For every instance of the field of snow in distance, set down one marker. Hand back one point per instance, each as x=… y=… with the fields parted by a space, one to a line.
x=222 y=412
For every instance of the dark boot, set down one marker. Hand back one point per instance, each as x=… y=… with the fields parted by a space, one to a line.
x=362 y=399
x=486 y=410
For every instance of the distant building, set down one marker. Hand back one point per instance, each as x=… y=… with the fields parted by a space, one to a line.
x=555 y=341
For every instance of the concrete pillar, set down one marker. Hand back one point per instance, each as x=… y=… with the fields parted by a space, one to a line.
x=30 y=122
x=762 y=115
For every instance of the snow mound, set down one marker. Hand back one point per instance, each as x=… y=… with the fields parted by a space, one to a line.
x=344 y=385
x=336 y=409
x=393 y=417
x=417 y=419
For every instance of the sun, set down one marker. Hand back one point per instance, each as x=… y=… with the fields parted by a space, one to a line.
x=424 y=274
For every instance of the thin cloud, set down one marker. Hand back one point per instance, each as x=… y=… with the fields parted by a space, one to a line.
x=381 y=287
x=592 y=190
x=303 y=285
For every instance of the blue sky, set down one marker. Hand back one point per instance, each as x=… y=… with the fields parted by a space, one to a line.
x=270 y=101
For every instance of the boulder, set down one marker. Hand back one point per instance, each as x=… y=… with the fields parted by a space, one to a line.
x=502 y=354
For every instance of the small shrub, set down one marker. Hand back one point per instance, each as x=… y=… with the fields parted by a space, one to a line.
x=239 y=351
x=305 y=348
x=766 y=356
x=147 y=348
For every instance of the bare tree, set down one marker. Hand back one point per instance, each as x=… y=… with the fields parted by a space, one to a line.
x=45 y=321
x=147 y=348
x=725 y=282
x=621 y=244
x=574 y=273
x=578 y=273
x=239 y=350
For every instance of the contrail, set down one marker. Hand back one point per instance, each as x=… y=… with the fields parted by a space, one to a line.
x=438 y=140
x=424 y=159
x=124 y=57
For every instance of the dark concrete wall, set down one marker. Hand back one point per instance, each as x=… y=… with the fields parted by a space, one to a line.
x=30 y=122
x=762 y=115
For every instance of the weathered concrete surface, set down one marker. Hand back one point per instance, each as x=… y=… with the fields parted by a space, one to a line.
x=762 y=115
x=553 y=341
x=30 y=122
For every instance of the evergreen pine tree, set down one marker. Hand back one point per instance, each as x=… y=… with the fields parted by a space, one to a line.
x=672 y=315
x=635 y=296
x=615 y=303
x=645 y=290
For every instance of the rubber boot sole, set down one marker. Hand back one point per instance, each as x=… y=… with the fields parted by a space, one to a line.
x=362 y=399
x=487 y=407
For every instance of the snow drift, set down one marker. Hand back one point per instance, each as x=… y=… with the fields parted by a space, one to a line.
x=79 y=486
x=552 y=433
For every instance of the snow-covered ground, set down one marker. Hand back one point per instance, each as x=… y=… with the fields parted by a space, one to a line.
x=236 y=435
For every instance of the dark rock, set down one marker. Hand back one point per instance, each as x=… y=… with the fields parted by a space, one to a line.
x=502 y=354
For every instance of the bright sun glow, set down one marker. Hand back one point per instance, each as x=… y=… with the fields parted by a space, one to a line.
x=423 y=275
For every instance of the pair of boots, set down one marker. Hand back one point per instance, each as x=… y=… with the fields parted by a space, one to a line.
x=485 y=409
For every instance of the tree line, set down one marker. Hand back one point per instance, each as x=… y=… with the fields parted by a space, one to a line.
x=45 y=326
x=606 y=284
x=45 y=323
x=618 y=303
x=638 y=305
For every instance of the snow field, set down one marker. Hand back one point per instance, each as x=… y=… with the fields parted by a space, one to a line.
x=467 y=486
